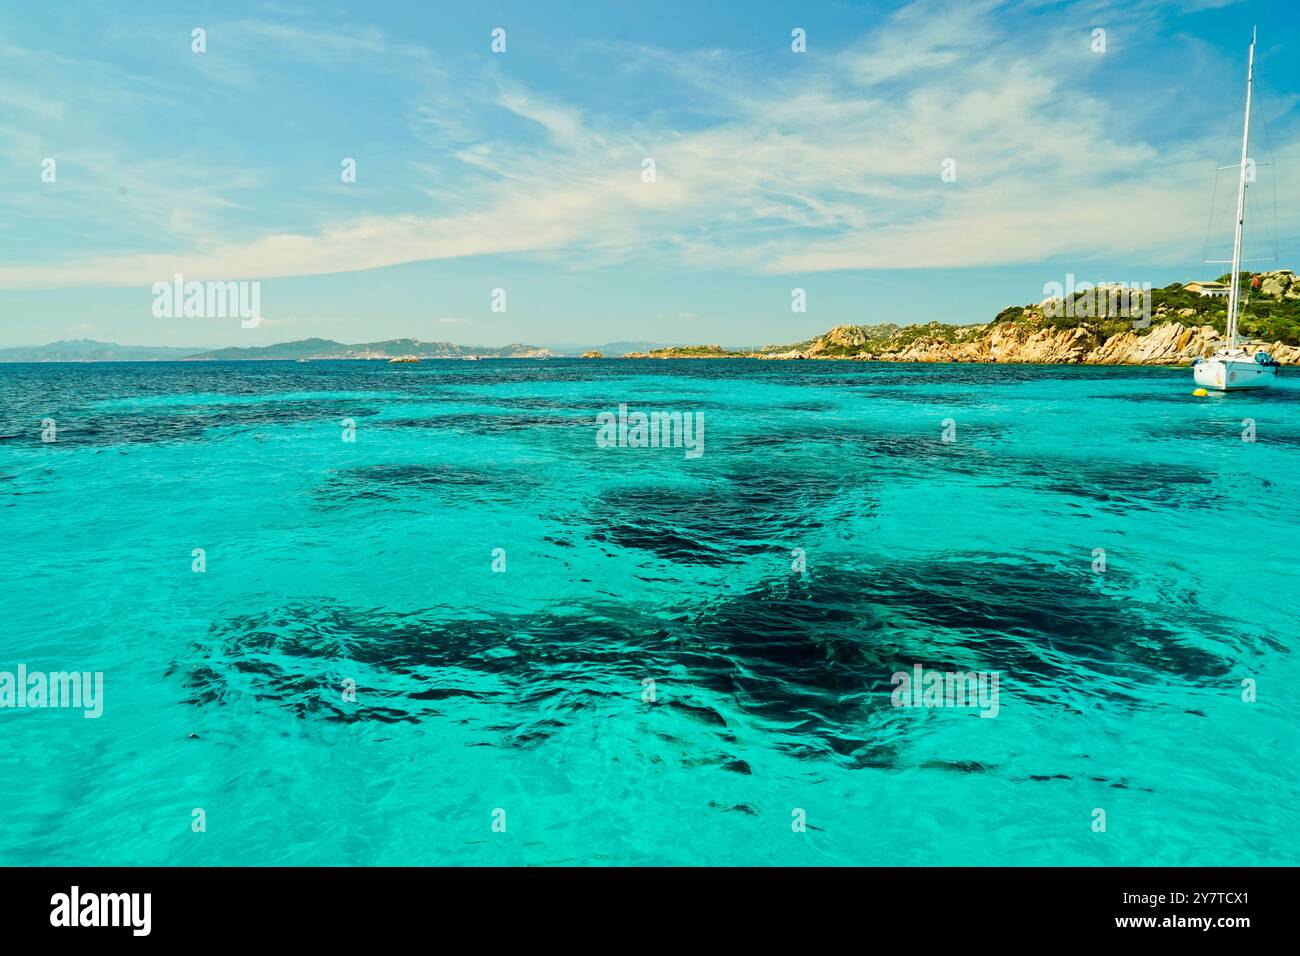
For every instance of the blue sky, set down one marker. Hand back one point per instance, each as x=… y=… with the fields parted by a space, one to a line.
x=522 y=170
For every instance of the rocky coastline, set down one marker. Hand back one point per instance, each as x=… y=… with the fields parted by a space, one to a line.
x=1169 y=343
x=1173 y=327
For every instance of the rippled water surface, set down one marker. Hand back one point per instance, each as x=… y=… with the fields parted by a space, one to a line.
x=372 y=561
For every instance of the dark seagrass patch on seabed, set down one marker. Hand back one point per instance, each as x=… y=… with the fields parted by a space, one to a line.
x=808 y=656
x=298 y=656
x=819 y=643
x=753 y=511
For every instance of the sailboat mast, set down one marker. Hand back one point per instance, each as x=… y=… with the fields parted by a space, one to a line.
x=1234 y=288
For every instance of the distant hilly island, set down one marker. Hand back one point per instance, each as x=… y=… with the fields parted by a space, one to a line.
x=87 y=350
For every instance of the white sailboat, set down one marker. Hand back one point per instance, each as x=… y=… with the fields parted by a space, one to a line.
x=1232 y=367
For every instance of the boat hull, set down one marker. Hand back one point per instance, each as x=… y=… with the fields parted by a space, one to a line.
x=1230 y=374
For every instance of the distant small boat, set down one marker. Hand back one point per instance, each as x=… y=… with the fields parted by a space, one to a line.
x=470 y=358
x=1232 y=367
x=402 y=358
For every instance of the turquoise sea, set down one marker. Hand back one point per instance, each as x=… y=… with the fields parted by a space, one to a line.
x=485 y=696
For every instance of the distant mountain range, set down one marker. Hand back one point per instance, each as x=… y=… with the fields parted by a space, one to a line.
x=86 y=350
x=392 y=348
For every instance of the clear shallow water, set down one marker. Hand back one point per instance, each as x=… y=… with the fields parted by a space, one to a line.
x=372 y=561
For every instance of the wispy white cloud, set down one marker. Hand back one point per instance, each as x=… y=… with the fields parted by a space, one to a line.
x=833 y=166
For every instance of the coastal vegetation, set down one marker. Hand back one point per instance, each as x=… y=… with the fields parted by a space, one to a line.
x=1270 y=309
x=687 y=351
x=1110 y=325
x=1169 y=325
